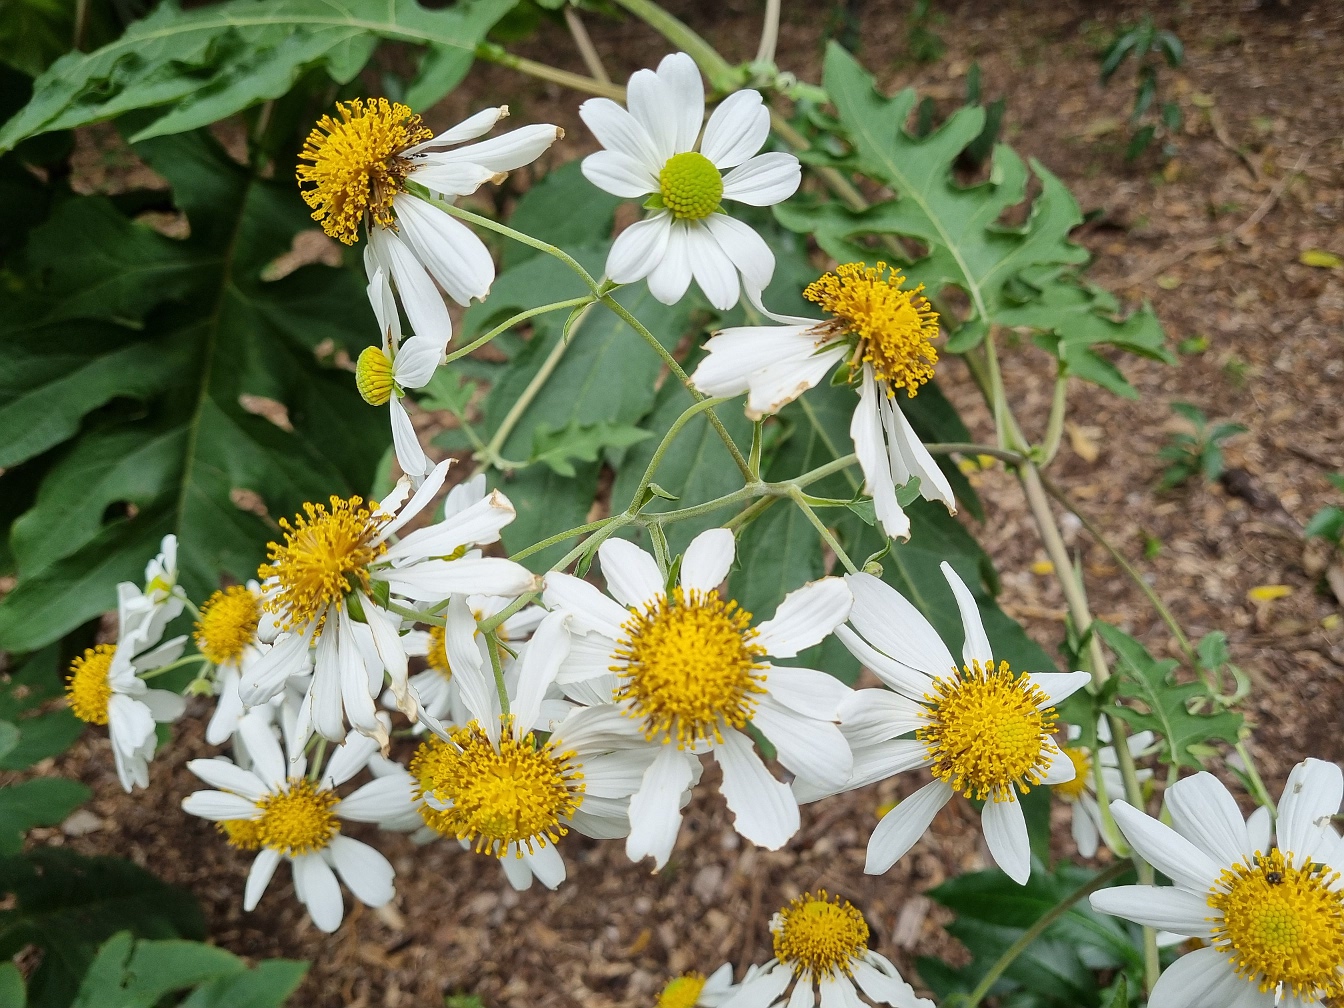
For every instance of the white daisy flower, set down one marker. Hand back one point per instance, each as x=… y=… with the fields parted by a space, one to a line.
x=323 y=581
x=232 y=632
x=1080 y=794
x=695 y=990
x=104 y=685
x=279 y=812
x=1272 y=918
x=822 y=942
x=493 y=784
x=652 y=150
x=358 y=170
x=948 y=709
x=692 y=670
x=884 y=334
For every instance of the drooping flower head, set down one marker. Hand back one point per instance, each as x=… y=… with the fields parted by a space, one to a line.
x=1080 y=793
x=695 y=990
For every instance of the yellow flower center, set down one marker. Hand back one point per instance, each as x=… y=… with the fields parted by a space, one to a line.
x=987 y=732
x=354 y=166
x=518 y=792
x=690 y=185
x=373 y=376
x=299 y=820
x=819 y=936
x=1072 y=790
x=691 y=666
x=88 y=688
x=245 y=834
x=325 y=555
x=1282 y=925
x=437 y=656
x=892 y=328
x=682 y=991
x=228 y=624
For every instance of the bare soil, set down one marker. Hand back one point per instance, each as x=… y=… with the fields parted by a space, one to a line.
x=1211 y=236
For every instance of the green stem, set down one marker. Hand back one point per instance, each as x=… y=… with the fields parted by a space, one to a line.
x=406 y=612
x=496 y=54
x=315 y=767
x=496 y=667
x=675 y=367
x=798 y=497
x=1054 y=427
x=765 y=52
x=1036 y=930
x=560 y=537
x=754 y=456
x=966 y=448
x=508 y=324
x=721 y=75
x=192 y=659
x=636 y=500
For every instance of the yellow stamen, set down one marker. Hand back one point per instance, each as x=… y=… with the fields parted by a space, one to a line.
x=892 y=328
x=690 y=185
x=373 y=376
x=228 y=624
x=988 y=731
x=299 y=820
x=245 y=834
x=691 y=666
x=682 y=992
x=437 y=658
x=1282 y=925
x=325 y=556
x=515 y=792
x=819 y=936
x=1072 y=790
x=355 y=166
x=88 y=688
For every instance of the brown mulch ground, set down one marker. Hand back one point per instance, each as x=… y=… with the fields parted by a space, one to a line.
x=1263 y=100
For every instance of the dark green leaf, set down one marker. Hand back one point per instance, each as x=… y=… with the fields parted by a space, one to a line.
x=1327 y=523
x=43 y=801
x=583 y=442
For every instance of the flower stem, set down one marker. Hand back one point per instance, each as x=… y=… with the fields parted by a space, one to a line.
x=637 y=498
x=584 y=43
x=492 y=646
x=492 y=53
x=765 y=52
x=509 y=323
x=191 y=659
x=721 y=75
x=798 y=497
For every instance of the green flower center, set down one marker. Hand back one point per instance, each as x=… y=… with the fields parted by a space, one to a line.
x=690 y=185
x=373 y=376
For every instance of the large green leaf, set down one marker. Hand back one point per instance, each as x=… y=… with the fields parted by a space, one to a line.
x=42 y=801
x=967 y=244
x=162 y=339
x=68 y=905
x=205 y=64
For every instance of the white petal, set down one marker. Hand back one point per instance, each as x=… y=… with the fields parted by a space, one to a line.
x=396 y=504
x=316 y=886
x=736 y=130
x=219 y=806
x=764 y=809
x=1163 y=907
x=1205 y=813
x=764 y=180
x=259 y=876
x=776 y=385
x=356 y=697
x=1259 y=825
x=1200 y=979
x=546 y=864
x=589 y=609
x=449 y=249
x=886 y=989
x=893 y=625
x=639 y=249
x=747 y=250
x=670 y=278
x=1311 y=796
x=687 y=98
x=733 y=356
x=424 y=305
x=616 y=129
x=452 y=178
x=1059 y=769
x=812 y=749
x=976 y=646
x=804 y=994
x=897 y=675
x=539 y=663
x=468 y=129
x=807 y=691
x=365 y=872
x=632 y=575
x=655 y=809
x=435 y=580
x=516 y=870
x=265 y=678
x=386 y=644
x=380 y=800
x=712 y=269
x=805 y=617
x=1085 y=832
x=164 y=705
x=268 y=762
x=760 y=990
x=477 y=686
x=872 y=763
x=348 y=759
x=416 y=362
x=1059 y=686
x=226 y=776
x=901 y=437
x=1165 y=849
x=838 y=992
x=707 y=559
x=410 y=456
x=650 y=101
x=474 y=526
x=904 y=825
x=503 y=153
x=1006 y=834
x=870 y=716
x=865 y=430
x=619 y=174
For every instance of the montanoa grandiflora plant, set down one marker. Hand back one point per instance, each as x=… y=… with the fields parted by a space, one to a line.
x=701 y=474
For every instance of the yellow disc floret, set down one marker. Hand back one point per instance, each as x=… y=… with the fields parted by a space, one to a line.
x=819 y=936
x=437 y=654
x=1282 y=925
x=373 y=376
x=325 y=555
x=245 y=834
x=1072 y=790
x=88 y=688
x=228 y=624
x=682 y=992
x=354 y=166
x=691 y=666
x=690 y=185
x=892 y=328
x=512 y=792
x=299 y=820
x=989 y=730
